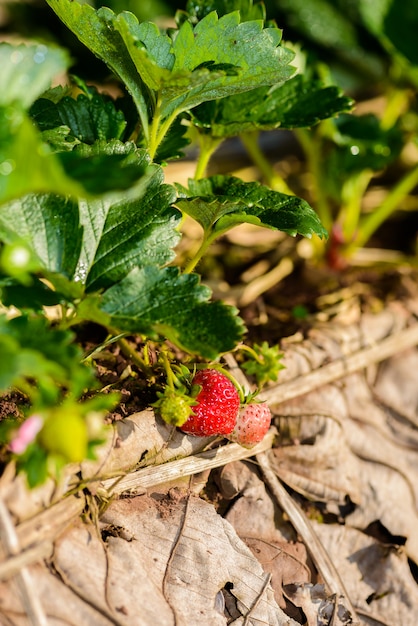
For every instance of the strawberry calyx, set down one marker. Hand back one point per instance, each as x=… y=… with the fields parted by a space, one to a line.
x=263 y=362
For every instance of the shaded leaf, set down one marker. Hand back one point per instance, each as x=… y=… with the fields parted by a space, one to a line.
x=297 y=103
x=19 y=175
x=220 y=202
x=89 y=118
x=104 y=166
x=27 y=71
x=328 y=28
x=394 y=23
x=173 y=144
x=34 y=296
x=362 y=144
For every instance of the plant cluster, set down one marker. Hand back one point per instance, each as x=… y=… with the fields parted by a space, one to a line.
x=89 y=228
x=370 y=48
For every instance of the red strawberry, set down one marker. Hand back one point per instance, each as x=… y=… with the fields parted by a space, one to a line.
x=217 y=406
x=252 y=424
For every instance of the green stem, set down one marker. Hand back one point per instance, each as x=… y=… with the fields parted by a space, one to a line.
x=250 y=351
x=207 y=146
x=207 y=240
x=133 y=355
x=146 y=355
x=352 y=195
x=159 y=129
x=171 y=378
x=371 y=222
x=311 y=145
x=397 y=103
x=270 y=176
x=153 y=132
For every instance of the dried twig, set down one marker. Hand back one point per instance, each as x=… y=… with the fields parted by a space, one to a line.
x=387 y=347
x=137 y=482
x=257 y=600
x=51 y=522
x=15 y=563
x=27 y=590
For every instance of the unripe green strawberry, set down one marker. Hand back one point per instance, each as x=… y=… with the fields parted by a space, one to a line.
x=65 y=433
x=217 y=405
x=252 y=424
x=174 y=407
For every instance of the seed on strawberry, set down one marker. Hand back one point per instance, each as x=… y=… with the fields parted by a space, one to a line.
x=217 y=405
x=252 y=424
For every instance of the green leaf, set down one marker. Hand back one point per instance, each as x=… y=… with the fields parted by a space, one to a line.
x=298 y=103
x=395 y=24
x=49 y=224
x=97 y=242
x=200 y=8
x=162 y=303
x=105 y=166
x=122 y=233
x=35 y=466
x=216 y=58
x=89 y=118
x=33 y=297
x=27 y=71
x=9 y=367
x=220 y=202
x=95 y=29
x=36 y=351
x=334 y=36
x=173 y=143
x=26 y=163
x=361 y=144
x=60 y=139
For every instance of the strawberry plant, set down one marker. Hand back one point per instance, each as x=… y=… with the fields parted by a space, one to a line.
x=89 y=228
x=372 y=49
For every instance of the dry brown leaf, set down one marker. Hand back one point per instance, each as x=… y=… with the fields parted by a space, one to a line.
x=60 y=604
x=397 y=389
x=321 y=465
x=318 y=608
x=350 y=443
x=254 y=513
x=377 y=576
x=164 y=559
